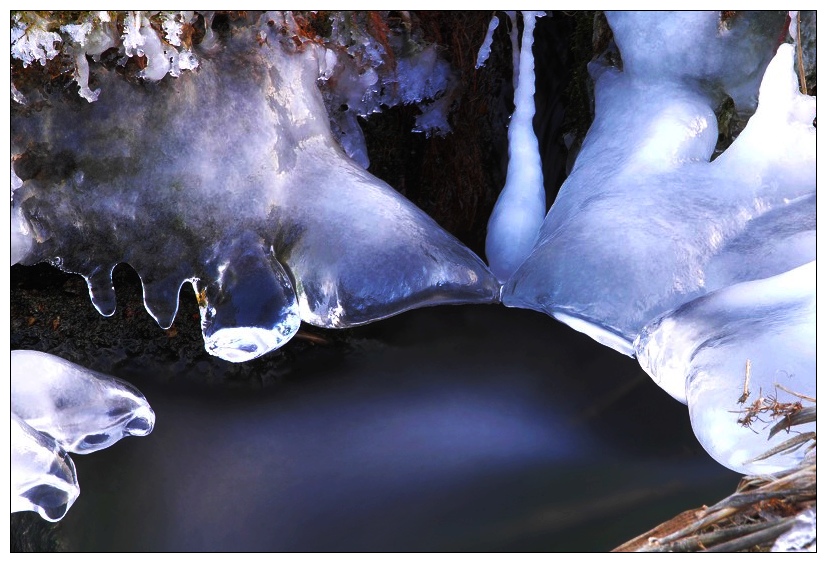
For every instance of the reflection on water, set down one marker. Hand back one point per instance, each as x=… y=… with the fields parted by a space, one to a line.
x=454 y=428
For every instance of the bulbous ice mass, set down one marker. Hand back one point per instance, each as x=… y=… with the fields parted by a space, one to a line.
x=43 y=477
x=645 y=222
x=699 y=354
x=170 y=177
x=82 y=410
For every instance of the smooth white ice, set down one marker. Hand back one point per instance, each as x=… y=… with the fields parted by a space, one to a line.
x=699 y=352
x=645 y=222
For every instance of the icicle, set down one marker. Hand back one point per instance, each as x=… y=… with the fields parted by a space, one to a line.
x=515 y=47
x=521 y=207
x=485 y=49
x=794 y=25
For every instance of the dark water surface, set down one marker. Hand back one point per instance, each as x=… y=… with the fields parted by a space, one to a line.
x=454 y=428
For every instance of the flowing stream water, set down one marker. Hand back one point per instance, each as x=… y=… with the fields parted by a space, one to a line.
x=454 y=428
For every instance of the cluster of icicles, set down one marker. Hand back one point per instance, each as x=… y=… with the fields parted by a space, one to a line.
x=229 y=178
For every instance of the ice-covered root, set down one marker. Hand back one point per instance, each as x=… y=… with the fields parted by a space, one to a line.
x=521 y=206
x=249 y=308
x=43 y=476
x=738 y=357
x=84 y=411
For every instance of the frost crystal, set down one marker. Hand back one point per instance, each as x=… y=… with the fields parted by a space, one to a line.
x=172 y=28
x=30 y=41
x=95 y=32
x=364 y=80
x=77 y=32
x=132 y=37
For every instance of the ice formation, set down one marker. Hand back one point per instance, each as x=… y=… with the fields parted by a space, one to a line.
x=229 y=177
x=93 y=33
x=727 y=352
x=364 y=73
x=645 y=222
x=485 y=48
x=59 y=407
x=43 y=477
x=31 y=41
x=82 y=410
x=803 y=537
x=521 y=206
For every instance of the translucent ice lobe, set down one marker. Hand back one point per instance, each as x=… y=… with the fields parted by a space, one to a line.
x=360 y=252
x=775 y=242
x=644 y=223
x=780 y=139
x=84 y=411
x=698 y=353
x=43 y=477
x=248 y=307
x=157 y=176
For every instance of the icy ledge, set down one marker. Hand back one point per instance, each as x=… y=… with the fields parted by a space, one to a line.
x=229 y=178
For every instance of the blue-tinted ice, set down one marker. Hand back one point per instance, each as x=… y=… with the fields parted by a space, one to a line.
x=82 y=410
x=228 y=177
x=699 y=354
x=59 y=407
x=521 y=205
x=645 y=222
x=43 y=477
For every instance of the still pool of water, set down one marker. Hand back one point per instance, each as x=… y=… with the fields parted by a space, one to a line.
x=447 y=429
